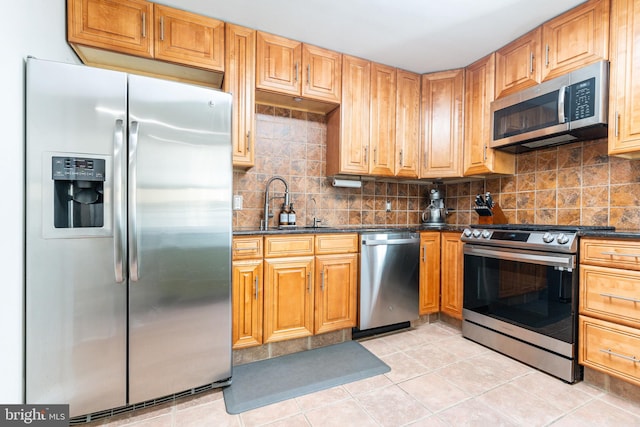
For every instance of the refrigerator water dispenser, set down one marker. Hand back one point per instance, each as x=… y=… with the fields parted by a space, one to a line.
x=78 y=197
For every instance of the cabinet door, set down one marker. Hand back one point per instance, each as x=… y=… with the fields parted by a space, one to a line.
x=247 y=303
x=278 y=65
x=407 y=124
x=517 y=64
x=336 y=292
x=576 y=38
x=188 y=38
x=322 y=74
x=429 y=272
x=452 y=270
x=288 y=298
x=624 y=101
x=442 y=124
x=382 y=135
x=479 y=93
x=124 y=26
x=240 y=81
x=348 y=126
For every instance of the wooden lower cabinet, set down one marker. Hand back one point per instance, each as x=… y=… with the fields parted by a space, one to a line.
x=288 y=298
x=609 y=327
x=247 y=303
x=336 y=292
x=429 y=272
x=451 y=286
x=610 y=348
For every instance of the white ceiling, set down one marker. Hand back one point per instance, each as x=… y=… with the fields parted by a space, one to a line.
x=415 y=35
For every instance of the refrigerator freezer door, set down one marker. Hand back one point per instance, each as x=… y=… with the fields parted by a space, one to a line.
x=179 y=237
x=75 y=311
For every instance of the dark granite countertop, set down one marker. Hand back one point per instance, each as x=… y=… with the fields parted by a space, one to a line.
x=254 y=231
x=612 y=234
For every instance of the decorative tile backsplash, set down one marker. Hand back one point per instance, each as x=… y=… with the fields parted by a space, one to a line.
x=570 y=184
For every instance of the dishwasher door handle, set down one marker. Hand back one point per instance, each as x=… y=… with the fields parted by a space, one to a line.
x=390 y=242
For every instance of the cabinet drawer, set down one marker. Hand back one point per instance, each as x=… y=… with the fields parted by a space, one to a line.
x=611 y=294
x=610 y=253
x=336 y=243
x=294 y=245
x=610 y=348
x=247 y=247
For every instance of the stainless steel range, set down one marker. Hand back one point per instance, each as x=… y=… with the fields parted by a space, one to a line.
x=521 y=293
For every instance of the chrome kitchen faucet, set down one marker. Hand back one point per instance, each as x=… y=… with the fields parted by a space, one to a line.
x=267 y=214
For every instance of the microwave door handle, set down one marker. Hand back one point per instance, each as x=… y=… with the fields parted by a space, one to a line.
x=561 y=103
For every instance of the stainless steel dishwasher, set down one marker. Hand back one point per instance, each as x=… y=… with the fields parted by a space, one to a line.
x=389 y=279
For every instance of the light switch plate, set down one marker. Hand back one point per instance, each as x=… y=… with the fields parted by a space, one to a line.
x=237 y=202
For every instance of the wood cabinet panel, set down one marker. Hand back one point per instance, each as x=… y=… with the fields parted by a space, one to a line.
x=336 y=243
x=518 y=64
x=442 y=124
x=348 y=126
x=240 y=81
x=336 y=290
x=278 y=64
x=451 y=286
x=382 y=134
x=576 y=38
x=188 y=38
x=607 y=253
x=479 y=158
x=246 y=247
x=610 y=348
x=610 y=294
x=624 y=98
x=125 y=26
x=247 y=302
x=430 y=272
x=288 y=298
x=288 y=245
x=407 y=147
x=322 y=69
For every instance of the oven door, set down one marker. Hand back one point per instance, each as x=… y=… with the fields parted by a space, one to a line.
x=535 y=291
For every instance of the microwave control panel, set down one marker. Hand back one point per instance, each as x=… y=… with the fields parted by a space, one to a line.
x=583 y=99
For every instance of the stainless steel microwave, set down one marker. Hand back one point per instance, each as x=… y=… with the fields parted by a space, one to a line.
x=565 y=109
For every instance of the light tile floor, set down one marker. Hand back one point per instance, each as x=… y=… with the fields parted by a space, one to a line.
x=437 y=378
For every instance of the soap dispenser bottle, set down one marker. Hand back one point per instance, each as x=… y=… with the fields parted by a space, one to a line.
x=292 y=215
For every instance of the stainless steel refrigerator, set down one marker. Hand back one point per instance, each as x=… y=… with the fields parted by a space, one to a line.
x=128 y=237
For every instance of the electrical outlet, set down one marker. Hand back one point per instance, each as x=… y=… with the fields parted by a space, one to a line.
x=388 y=206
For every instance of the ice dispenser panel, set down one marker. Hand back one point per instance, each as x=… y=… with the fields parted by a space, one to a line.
x=78 y=199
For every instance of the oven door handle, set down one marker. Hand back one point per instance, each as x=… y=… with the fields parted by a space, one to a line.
x=564 y=261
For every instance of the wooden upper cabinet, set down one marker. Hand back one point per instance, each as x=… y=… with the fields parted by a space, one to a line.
x=124 y=26
x=348 y=126
x=322 y=73
x=278 y=64
x=287 y=67
x=518 y=64
x=576 y=38
x=624 y=93
x=442 y=124
x=188 y=38
x=479 y=92
x=240 y=81
x=382 y=134
x=407 y=124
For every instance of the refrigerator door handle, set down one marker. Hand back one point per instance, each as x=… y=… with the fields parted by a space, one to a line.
x=134 y=263
x=119 y=245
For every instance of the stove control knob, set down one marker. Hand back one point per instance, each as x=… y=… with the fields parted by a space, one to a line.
x=548 y=237
x=486 y=234
x=562 y=238
x=467 y=232
x=476 y=233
